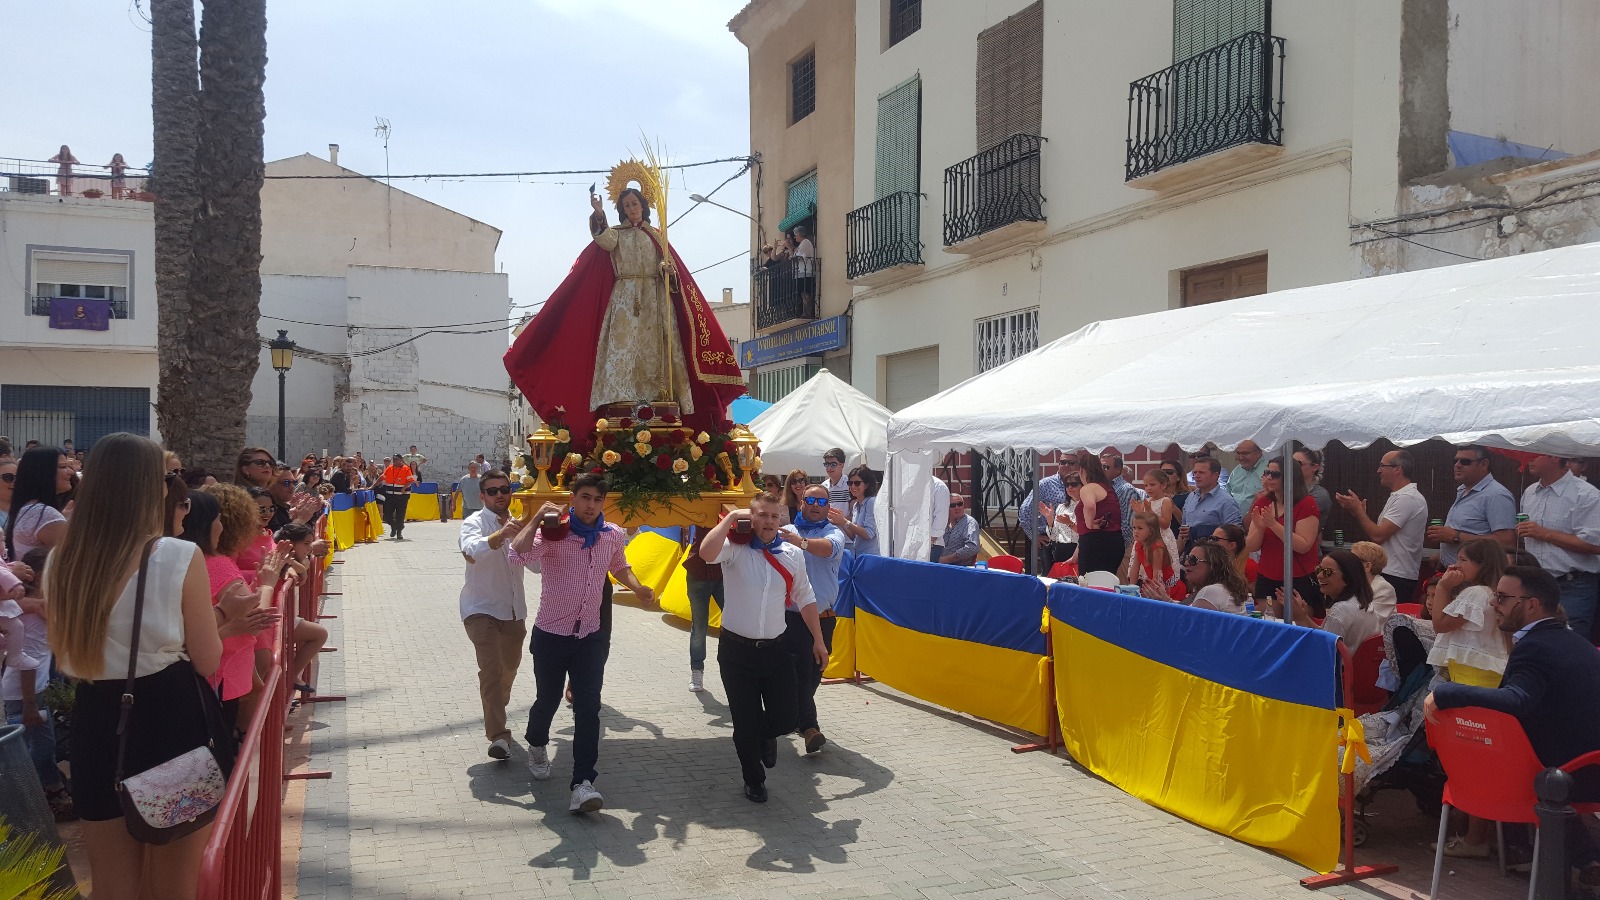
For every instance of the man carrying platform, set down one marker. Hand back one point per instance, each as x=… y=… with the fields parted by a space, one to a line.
x=763 y=576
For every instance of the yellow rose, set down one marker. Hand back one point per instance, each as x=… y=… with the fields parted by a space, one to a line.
x=642 y=449
x=601 y=424
x=610 y=457
x=563 y=436
x=643 y=436
x=755 y=464
x=680 y=466
x=695 y=452
x=574 y=458
x=702 y=438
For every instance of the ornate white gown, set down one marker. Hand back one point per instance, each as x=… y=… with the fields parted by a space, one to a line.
x=639 y=337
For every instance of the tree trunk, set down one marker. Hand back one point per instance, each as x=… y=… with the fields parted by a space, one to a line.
x=209 y=358
x=174 y=106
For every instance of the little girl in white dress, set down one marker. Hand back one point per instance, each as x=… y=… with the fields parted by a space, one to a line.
x=11 y=627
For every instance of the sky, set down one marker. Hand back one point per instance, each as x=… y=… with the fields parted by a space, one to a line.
x=467 y=86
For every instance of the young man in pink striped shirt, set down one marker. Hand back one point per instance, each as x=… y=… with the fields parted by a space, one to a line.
x=567 y=642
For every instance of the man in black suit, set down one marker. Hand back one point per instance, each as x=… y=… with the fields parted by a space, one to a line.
x=1551 y=684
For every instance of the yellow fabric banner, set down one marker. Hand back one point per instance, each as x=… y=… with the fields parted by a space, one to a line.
x=1256 y=769
x=842 y=661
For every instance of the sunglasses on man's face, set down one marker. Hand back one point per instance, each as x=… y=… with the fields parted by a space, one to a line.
x=1466 y=462
x=816 y=501
x=830 y=464
x=957 y=505
x=497 y=491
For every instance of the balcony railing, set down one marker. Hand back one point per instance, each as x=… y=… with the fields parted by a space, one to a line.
x=41 y=306
x=786 y=290
x=33 y=176
x=1227 y=96
x=996 y=188
x=884 y=234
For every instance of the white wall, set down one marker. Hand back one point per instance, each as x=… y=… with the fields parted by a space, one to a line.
x=1526 y=71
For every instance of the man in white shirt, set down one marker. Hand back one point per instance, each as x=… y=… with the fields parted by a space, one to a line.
x=1563 y=534
x=1401 y=527
x=762 y=578
x=938 y=517
x=494 y=607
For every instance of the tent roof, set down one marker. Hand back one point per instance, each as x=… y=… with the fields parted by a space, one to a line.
x=821 y=414
x=1503 y=352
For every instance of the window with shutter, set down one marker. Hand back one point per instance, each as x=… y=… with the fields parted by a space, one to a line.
x=1199 y=25
x=91 y=275
x=1010 y=77
x=1226 y=281
x=905 y=19
x=801 y=203
x=899 y=140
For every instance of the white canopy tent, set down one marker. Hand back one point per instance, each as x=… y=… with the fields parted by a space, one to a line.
x=1503 y=352
x=819 y=415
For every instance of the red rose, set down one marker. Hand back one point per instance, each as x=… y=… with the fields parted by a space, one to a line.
x=727 y=425
x=730 y=446
x=597 y=470
x=645 y=412
x=677 y=437
x=608 y=439
x=670 y=419
x=664 y=461
x=625 y=423
x=627 y=457
x=711 y=473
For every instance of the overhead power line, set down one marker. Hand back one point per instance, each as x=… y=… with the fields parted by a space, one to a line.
x=692 y=165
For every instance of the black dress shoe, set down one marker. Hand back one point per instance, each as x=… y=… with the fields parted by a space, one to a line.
x=769 y=752
x=755 y=793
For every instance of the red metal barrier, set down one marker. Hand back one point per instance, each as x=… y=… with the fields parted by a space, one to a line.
x=244 y=857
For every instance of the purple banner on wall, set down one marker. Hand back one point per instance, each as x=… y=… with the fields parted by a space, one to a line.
x=87 y=315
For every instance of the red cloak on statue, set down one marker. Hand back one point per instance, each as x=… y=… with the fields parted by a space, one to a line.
x=553 y=361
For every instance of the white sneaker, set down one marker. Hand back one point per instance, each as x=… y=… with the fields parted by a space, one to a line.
x=500 y=749
x=585 y=798
x=539 y=763
x=697 y=680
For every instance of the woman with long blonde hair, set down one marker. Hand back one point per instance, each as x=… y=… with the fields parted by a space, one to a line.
x=91 y=585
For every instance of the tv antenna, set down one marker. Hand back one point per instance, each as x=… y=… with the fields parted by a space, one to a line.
x=382 y=130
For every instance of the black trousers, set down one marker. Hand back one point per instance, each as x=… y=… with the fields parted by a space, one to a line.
x=807 y=674
x=394 y=511
x=1405 y=589
x=760 y=685
x=556 y=660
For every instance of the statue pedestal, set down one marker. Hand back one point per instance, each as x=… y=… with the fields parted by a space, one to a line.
x=664 y=513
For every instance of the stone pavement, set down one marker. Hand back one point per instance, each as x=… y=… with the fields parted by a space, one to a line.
x=907 y=800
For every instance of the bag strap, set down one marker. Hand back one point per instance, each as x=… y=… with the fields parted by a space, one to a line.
x=788 y=579
x=133 y=657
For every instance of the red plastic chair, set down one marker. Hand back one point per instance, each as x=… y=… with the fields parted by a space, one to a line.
x=1368 y=697
x=1005 y=563
x=1414 y=610
x=1064 y=570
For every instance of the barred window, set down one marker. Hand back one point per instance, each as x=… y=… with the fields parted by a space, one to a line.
x=1002 y=338
x=905 y=19
x=802 y=87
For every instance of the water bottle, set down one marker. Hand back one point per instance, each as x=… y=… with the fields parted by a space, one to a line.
x=1250 y=608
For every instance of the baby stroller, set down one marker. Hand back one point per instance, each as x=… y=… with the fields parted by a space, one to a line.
x=1396 y=738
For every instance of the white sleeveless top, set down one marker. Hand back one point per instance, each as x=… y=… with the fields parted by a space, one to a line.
x=161 y=630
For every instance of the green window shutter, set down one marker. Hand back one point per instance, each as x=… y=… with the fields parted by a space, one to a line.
x=899 y=140
x=801 y=201
x=1199 y=25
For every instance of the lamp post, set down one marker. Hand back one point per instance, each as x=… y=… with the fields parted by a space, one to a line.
x=282 y=359
x=699 y=199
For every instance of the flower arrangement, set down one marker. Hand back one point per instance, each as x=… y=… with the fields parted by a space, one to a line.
x=645 y=463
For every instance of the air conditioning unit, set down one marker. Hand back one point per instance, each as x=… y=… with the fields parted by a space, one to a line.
x=23 y=185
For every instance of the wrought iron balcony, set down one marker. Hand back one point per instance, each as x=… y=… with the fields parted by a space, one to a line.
x=41 y=306
x=1225 y=97
x=996 y=188
x=786 y=290
x=883 y=234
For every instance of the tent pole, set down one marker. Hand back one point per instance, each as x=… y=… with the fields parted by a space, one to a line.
x=1286 y=484
x=888 y=463
x=1033 y=491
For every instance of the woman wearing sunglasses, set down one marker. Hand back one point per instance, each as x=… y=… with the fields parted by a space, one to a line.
x=1266 y=534
x=8 y=482
x=1231 y=538
x=1345 y=594
x=1212 y=580
x=794 y=492
x=255 y=468
x=861 y=526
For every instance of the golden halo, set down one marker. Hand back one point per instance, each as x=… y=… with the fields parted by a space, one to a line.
x=628 y=171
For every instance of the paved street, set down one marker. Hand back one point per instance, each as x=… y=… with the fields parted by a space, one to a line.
x=906 y=801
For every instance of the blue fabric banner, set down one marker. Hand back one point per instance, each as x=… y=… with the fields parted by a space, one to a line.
x=985 y=606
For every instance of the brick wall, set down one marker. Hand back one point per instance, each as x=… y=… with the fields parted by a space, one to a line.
x=301 y=435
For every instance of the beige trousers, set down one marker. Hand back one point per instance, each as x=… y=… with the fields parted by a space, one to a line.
x=499 y=647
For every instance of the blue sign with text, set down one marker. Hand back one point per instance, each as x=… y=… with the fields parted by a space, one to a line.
x=809 y=339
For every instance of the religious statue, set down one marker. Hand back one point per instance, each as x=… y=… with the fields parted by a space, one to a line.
x=628 y=327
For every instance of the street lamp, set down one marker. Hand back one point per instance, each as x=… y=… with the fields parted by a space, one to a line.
x=282 y=359
x=699 y=199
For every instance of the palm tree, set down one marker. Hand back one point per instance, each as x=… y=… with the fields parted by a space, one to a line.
x=209 y=112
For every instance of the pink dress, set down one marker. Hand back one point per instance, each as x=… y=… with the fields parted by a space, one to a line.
x=233 y=677
x=249 y=561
